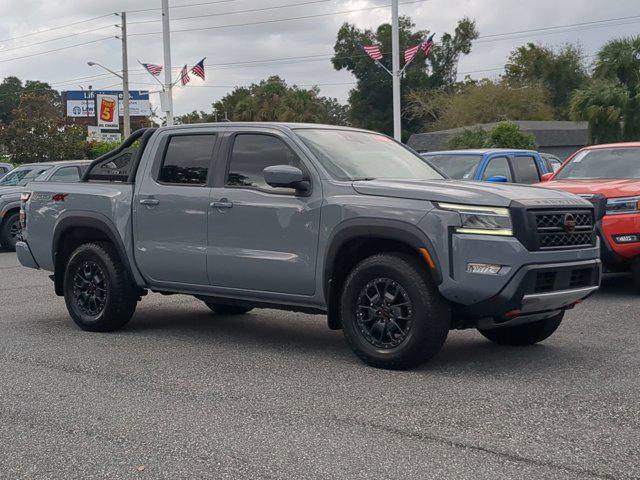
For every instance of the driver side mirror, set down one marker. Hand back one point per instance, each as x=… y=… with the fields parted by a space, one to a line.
x=497 y=178
x=545 y=177
x=287 y=176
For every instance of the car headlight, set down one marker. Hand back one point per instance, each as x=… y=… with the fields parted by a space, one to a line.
x=481 y=220
x=617 y=206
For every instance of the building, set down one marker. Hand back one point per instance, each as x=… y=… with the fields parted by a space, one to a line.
x=556 y=137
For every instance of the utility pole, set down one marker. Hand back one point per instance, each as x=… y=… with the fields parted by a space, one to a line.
x=125 y=78
x=395 y=54
x=166 y=42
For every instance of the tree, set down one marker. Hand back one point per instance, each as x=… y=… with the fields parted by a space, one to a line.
x=477 y=102
x=503 y=135
x=195 y=117
x=611 y=102
x=38 y=130
x=10 y=90
x=560 y=71
x=370 y=102
x=272 y=100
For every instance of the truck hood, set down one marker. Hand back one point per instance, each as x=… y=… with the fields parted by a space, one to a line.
x=608 y=188
x=459 y=191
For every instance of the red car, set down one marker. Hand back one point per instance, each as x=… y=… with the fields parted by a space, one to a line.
x=611 y=171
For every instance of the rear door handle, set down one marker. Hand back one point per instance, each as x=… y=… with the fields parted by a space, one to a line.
x=224 y=203
x=149 y=201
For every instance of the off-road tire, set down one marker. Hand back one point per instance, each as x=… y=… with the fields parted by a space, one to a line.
x=120 y=293
x=527 y=334
x=431 y=315
x=7 y=239
x=222 y=309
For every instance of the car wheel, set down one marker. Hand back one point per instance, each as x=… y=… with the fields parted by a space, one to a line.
x=10 y=233
x=222 y=309
x=98 y=290
x=392 y=314
x=527 y=334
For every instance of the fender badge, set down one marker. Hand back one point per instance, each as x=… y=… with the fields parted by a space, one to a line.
x=59 y=197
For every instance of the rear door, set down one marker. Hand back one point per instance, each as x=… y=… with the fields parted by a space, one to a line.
x=171 y=205
x=526 y=169
x=262 y=238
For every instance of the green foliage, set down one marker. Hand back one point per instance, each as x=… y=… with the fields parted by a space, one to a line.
x=560 y=71
x=469 y=138
x=370 y=102
x=96 y=149
x=272 y=100
x=472 y=103
x=195 y=117
x=611 y=102
x=503 y=135
x=38 y=130
x=509 y=135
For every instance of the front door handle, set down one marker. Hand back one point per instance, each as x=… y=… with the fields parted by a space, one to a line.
x=149 y=202
x=224 y=203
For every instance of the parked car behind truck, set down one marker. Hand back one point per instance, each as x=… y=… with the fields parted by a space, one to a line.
x=311 y=218
x=13 y=185
x=610 y=172
x=491 y=164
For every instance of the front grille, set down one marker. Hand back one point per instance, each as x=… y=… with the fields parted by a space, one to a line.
x=545 y=282
x=561 y=278
x=580 y=278
x=564 y=229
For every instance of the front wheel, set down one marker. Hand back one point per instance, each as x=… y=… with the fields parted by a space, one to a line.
x=527 y=334
x=98 y=290
x=392 y=315
x=10 y=232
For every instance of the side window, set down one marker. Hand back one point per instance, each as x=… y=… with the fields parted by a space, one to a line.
x=498 y=167
x=187 y=159
x=66 y=174
x=251 y=154
x=526 y=169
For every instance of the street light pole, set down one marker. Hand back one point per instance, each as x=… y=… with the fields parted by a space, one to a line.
x=395 y=55
x=166 y=43
x=125 y=78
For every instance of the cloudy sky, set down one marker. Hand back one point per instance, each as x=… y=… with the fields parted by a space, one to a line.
x=227 y=39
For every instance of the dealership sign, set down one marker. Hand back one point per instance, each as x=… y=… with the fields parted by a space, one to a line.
x=82 y=103
x=106 y=111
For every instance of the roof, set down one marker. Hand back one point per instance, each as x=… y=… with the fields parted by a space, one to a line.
x=278 y=125
x=547 y=134
x=480 y=151
x=55 y=163
x=614 y=145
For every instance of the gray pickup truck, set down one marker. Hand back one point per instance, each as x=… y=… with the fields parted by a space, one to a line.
x=316 y=219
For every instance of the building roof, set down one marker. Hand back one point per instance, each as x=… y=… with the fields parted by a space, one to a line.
x=547 y=134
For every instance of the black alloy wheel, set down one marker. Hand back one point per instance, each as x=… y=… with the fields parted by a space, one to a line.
x=90 y=289
x=384 y=313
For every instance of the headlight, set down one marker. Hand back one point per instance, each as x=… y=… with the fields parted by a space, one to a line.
x=617 y=206
x=481 y=220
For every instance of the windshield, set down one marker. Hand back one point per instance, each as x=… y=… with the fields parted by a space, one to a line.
x=460 y=167
x=608 y=163
x=22 y=176
x=350 y=155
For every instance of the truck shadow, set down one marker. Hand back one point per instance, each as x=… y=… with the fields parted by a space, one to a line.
x=617 y=284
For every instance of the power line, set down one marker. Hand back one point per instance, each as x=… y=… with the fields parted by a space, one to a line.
x=55 y=28
x=304 y=17
x=55 y=50
x=55 y=39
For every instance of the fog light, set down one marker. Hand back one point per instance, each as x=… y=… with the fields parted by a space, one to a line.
x=485 y=268
x=627 y=238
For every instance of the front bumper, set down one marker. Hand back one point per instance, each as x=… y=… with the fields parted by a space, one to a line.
x=533 y=293
x=25 y=257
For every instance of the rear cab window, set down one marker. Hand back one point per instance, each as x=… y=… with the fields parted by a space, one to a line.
x=526 y=169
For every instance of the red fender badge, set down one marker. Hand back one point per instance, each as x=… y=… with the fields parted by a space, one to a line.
x=59 y=197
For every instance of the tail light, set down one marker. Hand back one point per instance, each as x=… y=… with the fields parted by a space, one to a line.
x=24 y=198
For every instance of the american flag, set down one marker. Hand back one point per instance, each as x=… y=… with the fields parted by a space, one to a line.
x=184 y=76
x=427 y=45
x=373 y=51
x=154 y=70
x=198 y=70
x=410 y=53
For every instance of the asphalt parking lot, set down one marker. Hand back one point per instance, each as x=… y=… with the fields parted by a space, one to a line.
x=181 y=393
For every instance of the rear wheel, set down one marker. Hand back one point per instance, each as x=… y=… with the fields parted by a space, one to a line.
x=10 y=232
x=98 y=290
x=222 y=309
x=393 y=316
x=527 y=334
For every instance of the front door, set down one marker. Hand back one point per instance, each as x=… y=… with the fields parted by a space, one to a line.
x=262 y=238
x=170 y=210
